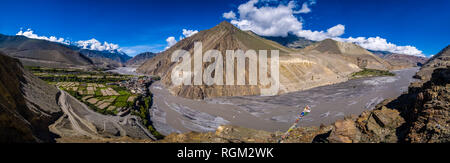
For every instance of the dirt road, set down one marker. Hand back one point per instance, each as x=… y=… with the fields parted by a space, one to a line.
x=80 y=121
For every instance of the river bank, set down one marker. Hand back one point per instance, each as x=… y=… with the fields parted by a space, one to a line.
x=329 y=103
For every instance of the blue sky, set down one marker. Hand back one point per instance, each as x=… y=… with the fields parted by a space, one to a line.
x=137 y=25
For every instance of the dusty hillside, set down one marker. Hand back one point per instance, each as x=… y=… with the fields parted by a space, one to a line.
x=291 y=41
x=299 y=69
x=440 y=60
x=33 y=52
x=140 y=59
x=27 y=104
x=350 y=52
x=34 y=111
x=401 y=61
x=104 y=59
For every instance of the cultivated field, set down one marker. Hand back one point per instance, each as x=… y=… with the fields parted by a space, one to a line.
x=98 y=90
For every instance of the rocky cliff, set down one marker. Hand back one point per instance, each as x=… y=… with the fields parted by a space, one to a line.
x=440 y=60
x=27 y=104
x=420 y=116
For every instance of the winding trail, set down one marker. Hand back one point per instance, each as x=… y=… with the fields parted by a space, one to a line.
x=88 y=123
x=78 y=124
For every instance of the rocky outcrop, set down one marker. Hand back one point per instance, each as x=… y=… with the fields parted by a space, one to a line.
x=223 y=134
x=429 y=116
x=420 y=116
x=235 y=134
x=27 y=104
x=440 y=60
x=345 y=131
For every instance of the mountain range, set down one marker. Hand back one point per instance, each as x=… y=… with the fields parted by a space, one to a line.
x=35 y=52
x=322 y=63
x=140 y=58
x=401 y=61
x=105 y=59
x=291 y=41
x=27 y=104
x=418 y=116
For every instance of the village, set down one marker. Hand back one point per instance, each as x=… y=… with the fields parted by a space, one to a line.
x=115 y=98
x=105 y=92
x=136 y=85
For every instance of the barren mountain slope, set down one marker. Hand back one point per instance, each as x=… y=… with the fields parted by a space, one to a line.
x=27 y=104
x=33 y=52
x=140 y=59
x=350 y=52
x=401 y=61
x=440 y=60
x=299 y=69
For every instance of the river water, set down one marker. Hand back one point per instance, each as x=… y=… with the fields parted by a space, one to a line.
x=125 y=71
x=276 y=113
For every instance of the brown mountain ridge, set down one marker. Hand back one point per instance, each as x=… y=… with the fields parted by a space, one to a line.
x=322 y=63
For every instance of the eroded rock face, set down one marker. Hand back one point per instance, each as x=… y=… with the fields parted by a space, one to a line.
x=421 y=116
x=440 y=60
x=224 y=134
x=431 y=112
x=27 y=104
x=345 y=131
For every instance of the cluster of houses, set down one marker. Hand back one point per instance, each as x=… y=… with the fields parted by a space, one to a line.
x=137 y=85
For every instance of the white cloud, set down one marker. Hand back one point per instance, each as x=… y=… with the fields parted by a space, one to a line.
x=305 y=9
x=91 y=44
x=336 y=31
x=229 y=15
x=381 y=44
x=170 y=42
x=267 y=20
x=94 y=44
x=332 y=32
x=280 y=20
x=189 y=33
x=186 y=33
x=29 y=33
